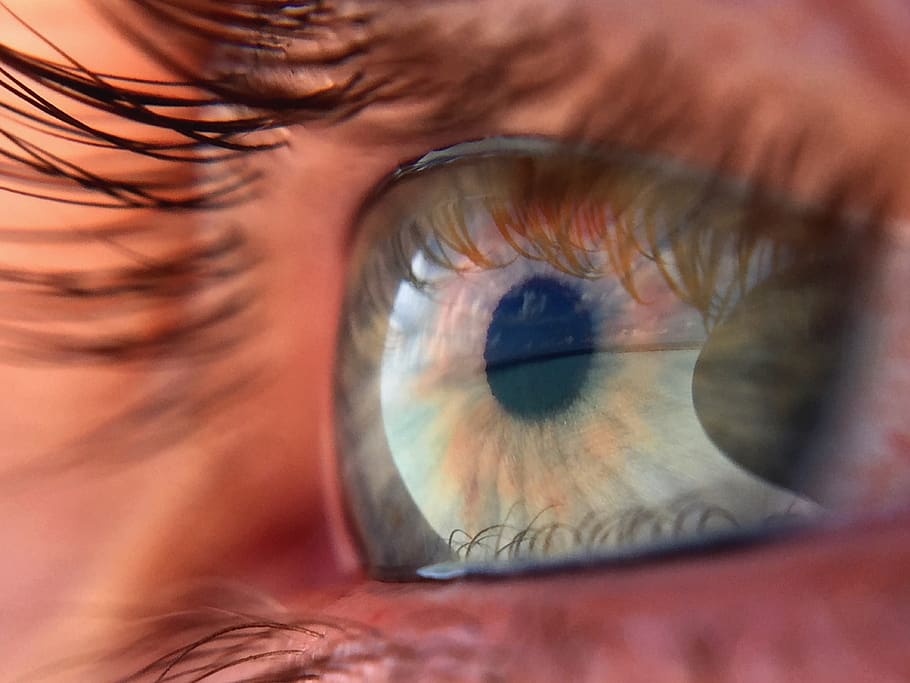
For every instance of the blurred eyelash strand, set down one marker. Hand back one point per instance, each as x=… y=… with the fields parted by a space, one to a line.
x=208 y=134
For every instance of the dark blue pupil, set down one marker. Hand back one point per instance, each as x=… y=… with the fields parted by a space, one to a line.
x=538 y=348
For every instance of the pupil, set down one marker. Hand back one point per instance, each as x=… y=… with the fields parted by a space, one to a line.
x=539 y=348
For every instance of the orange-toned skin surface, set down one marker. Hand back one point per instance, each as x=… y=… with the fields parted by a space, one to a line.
x=251 y=497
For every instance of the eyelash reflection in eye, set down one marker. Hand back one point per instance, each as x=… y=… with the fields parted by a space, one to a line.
x=555 y=354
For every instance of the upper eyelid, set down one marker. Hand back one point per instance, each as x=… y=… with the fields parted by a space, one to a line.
x=651 y=94
x=646 y=95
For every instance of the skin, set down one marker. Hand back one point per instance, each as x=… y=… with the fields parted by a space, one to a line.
x=250 y=497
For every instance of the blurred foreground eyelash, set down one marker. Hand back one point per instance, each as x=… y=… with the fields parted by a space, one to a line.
x=203 y=301
x=170 y=295
x=184 y=123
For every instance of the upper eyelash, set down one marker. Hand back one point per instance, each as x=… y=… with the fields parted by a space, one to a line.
x=211 y=136
x=228 y=121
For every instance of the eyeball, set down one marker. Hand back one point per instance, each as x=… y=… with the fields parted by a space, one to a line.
x=551 y=354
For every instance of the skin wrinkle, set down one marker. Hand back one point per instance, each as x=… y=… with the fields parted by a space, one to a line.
x=683 y=621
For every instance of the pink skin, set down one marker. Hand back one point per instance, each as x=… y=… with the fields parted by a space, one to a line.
x=252 y=497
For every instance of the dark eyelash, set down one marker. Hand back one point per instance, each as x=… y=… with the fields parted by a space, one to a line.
x=206 y=139
x=216 y=120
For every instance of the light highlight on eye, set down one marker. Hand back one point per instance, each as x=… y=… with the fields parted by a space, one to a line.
x=522 y=330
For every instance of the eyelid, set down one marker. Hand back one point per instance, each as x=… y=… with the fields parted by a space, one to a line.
x=791 y=160
x=650 y=88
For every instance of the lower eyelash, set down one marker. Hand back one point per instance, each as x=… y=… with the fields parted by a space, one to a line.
x=607 y=533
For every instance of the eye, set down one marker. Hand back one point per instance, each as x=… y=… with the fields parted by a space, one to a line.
x=555 y=354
